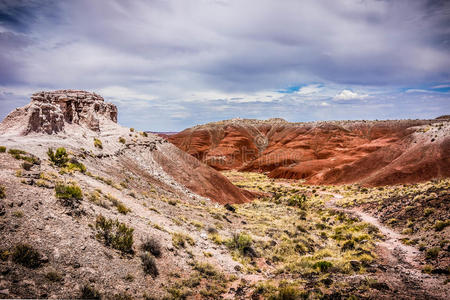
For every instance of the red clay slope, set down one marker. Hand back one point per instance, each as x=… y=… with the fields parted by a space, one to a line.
x=368 y=152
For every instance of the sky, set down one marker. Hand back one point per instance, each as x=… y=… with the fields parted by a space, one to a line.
x=171 y=64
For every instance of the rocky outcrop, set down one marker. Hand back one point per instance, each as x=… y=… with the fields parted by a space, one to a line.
x=48 y=112
x=74 y=119
x=368 y=152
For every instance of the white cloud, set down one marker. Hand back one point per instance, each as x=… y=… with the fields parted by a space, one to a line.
x=262 y=96
x=441 y=86
x=310 y=89
x=120 y=93
x=417 y=91
x=349 y=95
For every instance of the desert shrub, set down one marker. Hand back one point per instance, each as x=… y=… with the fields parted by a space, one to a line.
x=286 y=293
x=59 y=158
x=206 y=269
x=172 y=202
x=323 y=265
x=240 y=241
x=114 y=234
x=132 y=129
x=144 y=134
x=53 y=276
x=2 y=192
x=243 y=243
x=22 y=155
x=297 y=200
x=2 y=149
x=71 y=191
x=149 y=265
x=121 y=208
x=427 y=269
x=122 y=140
x=180 y=240
x=348 y=245
x=89 y=292
x=98 y=143
x=150 y=244
x=440 y=225
x=16 y=152
x=18 y=214
x=26 y=255
x=428 y=211
x=76 y=165
x=433 y=253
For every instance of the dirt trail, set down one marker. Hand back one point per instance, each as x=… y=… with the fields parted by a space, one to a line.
x=400 y=263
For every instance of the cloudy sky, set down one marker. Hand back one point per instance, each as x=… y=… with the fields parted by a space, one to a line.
x=171 y=64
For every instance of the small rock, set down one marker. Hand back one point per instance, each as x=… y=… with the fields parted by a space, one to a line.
x=4 y=292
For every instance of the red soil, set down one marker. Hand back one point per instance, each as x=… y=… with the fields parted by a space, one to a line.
x=367 y=152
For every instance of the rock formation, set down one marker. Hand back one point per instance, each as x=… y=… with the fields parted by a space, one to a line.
x=368 y=152
x=49 y=111
x=73 y=119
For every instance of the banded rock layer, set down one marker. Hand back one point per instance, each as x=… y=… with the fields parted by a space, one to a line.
x=334 y=152
x=48 y=112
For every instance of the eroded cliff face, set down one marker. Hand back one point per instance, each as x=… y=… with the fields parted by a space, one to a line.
x=49 y=111
x=368 y=152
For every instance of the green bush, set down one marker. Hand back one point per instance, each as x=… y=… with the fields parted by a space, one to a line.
x=433 y=253
x=59 y=158
x=243 y=243
x=98 y=143
x=16 y=152
x=122 y=140
x=149 y=265
x=2 y=149
x=27 y=256
x=206 y=269
x=440 y=225
x=114 y=234
x=297 y=200
x=348 y=245
x=121 y=208
x=286 y=293
x=428 y=211
x=71 y=191
x=132 y=129
x=22 y=155
x=75 y=165
x=180 y=239
x=323 y=265
x=2 y=192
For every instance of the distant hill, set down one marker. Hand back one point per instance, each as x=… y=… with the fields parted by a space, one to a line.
x=328 y=152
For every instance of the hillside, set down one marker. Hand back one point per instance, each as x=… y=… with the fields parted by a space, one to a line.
x=93 y=210
x=136 y=178
x=333 y=152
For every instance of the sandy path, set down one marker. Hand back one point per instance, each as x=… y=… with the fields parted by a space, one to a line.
x=400 y=262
